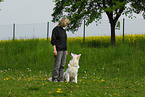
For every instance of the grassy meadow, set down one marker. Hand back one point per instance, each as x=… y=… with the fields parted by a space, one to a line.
x=105 y=71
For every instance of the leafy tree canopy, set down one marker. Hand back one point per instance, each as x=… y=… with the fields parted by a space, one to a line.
x=1 y=0
x=91 y=10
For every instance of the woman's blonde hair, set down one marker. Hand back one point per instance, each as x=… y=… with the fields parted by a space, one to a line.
x=64 y=22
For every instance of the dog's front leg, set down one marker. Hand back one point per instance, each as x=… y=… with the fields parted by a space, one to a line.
x=76 y=79
x=67 y=77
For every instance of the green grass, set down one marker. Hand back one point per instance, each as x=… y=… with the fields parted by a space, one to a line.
x=26 y=65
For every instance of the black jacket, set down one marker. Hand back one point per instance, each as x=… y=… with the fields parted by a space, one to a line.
x=59 y=38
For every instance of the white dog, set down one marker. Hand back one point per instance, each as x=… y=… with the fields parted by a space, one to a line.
x=72 y=71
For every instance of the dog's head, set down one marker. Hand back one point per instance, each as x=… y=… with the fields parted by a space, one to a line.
x=75 y=59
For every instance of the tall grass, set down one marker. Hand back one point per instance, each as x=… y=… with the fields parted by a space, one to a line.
x=26 y=65
x=124 y=60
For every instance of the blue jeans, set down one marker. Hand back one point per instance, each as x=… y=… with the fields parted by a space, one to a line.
x=58 y=70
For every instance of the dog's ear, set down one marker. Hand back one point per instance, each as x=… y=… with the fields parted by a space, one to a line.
x=71 y=54
x=78 y=57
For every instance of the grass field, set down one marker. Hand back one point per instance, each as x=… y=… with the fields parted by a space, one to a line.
x=105 y=71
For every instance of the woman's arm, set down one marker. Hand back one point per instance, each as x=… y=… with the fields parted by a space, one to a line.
x=54 y=50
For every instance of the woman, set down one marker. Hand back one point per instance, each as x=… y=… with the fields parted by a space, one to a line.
x=59 y=43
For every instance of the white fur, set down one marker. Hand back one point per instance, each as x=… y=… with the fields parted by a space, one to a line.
x=50 y=79
x=72 y=71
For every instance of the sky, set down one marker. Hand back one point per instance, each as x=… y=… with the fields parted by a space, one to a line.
x=28 y=11
x=31 y=17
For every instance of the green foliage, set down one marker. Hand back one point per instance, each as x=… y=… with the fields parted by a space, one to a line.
x=91 y=10
x=139 y=6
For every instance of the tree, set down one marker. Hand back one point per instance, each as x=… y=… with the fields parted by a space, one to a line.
x=1 y=1
x=91 y=10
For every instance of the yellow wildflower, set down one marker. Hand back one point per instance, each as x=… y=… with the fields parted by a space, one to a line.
x=115 y=94
x=58 y=91
x=28 y=79
x=102 y=80
x=7 y=78
x=44 y=78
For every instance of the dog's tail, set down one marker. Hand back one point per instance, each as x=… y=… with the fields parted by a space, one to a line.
x=50 y=79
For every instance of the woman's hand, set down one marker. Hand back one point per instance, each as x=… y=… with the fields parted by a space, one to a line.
x=55 y=52
x=67 y=53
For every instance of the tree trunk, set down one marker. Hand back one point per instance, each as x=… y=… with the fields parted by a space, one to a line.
x=112 y=25
x=113 y=42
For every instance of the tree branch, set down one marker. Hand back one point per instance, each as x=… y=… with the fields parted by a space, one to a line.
x=119 y=14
